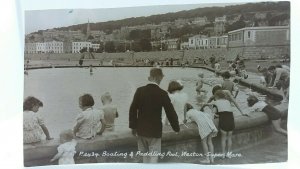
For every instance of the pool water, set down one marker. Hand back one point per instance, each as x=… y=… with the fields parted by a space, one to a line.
x=60 y=88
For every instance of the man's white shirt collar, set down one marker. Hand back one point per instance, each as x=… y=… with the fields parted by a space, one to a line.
x=152 y=83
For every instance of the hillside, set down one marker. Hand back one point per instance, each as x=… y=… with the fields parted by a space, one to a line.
x=247 y=10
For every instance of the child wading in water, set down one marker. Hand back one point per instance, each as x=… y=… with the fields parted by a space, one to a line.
x=66 y=150
x=199 y=84
x=273 y=114
x=228 y=84
x=89 y=122
x=206 y=127
x=33 y=124
x=110 y=111
x=91 y=69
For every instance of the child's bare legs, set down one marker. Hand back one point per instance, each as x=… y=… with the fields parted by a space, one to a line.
x=226 y=136
x=205 y=150
x=223 y=141
x=229 y=141
x=210 y=147
x=276 y=124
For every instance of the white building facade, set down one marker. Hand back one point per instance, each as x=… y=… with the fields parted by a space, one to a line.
x=77 y=46
x=30 y=48
x=95 y=46
x=198 y=42
x=54 y=47
x=204 y=42
x=44 y=47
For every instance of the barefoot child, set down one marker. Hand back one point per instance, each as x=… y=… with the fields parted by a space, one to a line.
x=226 y=119
x=229 y=85
x=206 y=127
x=66 y=150
x=199 y=84
x=110 y=111
x=217 y=68
x=33 y=125
x=90 y=121
x=91 y=69
x=273 y=114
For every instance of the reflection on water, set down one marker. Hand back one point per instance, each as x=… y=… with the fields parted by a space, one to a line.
x=59 y=90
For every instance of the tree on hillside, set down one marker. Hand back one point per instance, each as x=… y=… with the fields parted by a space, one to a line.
x=139 y=34
x=121 y=47
x=90 y=37
x=110 y=47
x=145 y=45
x=91 y=50
x=83 y=50
x=273 y=21
x=136 y=47
x=236 y=25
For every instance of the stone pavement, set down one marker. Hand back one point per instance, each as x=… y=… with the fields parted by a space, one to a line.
x=272 y=150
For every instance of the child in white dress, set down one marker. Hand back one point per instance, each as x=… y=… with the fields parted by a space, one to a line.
x=90 y=121
x=33 y=125
x=206 y=127
x=66 y=150
x=110 y=111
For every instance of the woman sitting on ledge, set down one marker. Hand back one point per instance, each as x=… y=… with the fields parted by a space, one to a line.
x=33 y=124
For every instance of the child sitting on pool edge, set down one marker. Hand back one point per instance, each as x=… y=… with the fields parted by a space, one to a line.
x=110 y=111
x=90 y=121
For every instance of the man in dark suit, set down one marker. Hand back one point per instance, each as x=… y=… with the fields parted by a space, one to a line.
x=145 y=116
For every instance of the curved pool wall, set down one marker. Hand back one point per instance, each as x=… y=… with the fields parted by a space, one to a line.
x=256 y=87
x=248 y=132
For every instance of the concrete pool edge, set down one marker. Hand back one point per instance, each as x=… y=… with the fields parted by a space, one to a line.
x=248 y=131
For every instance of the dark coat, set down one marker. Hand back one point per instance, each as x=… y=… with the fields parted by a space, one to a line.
x=145 y=113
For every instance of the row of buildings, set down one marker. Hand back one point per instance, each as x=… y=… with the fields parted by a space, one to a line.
x=268 y=37
x=59 y=47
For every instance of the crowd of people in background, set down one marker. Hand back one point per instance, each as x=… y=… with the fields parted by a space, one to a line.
x=277 y=77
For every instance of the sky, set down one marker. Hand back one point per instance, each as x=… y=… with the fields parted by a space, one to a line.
x=46 y=19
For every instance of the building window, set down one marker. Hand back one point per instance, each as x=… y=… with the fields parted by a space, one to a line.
x=249 y=34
